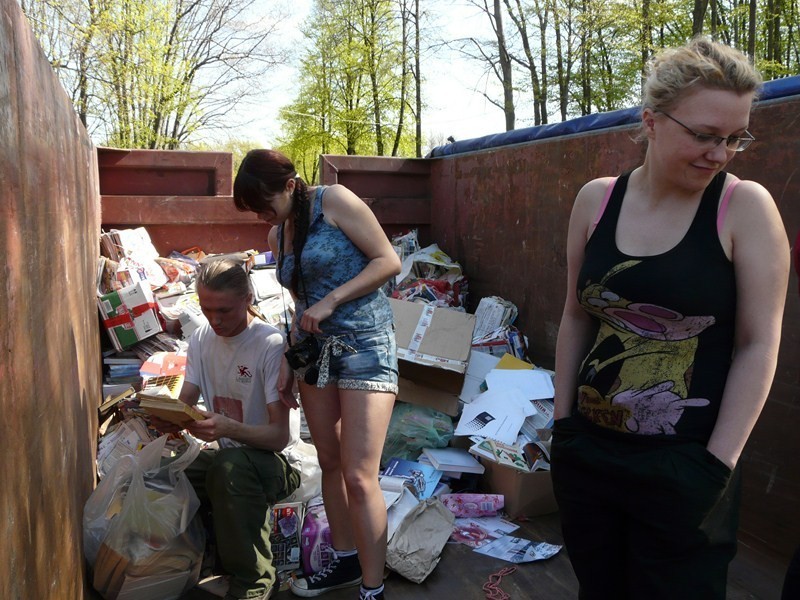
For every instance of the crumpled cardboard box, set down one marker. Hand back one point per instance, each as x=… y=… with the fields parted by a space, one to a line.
x=433 y=348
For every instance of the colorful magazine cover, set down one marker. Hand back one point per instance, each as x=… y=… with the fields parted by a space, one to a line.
x=424 y=478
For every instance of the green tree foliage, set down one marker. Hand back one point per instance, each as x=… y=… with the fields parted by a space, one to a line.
x=356 y=93
x=576 y=57
x=151 y=73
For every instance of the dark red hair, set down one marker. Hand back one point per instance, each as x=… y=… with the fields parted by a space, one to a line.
x=262 y=175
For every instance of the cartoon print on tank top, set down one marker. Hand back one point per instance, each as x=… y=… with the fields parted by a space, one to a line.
x=640 y=368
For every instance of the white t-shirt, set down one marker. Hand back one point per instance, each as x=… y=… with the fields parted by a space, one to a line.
x=237 y=376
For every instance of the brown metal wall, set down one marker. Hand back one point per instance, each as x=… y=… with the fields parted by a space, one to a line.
x=183 y=199
x=398 y=190
x=503 y=214
x=49 y=338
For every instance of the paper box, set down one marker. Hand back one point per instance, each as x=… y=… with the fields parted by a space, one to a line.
x=526 y=494
x=287 y=520
x=433 y=346
x=130 y=314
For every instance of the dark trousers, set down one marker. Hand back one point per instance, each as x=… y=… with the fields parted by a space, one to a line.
x=239 y=486
x=791 y=584
x=643 y=519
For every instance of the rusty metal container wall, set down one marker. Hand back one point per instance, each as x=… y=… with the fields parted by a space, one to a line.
x=50 y=368
x=398 y=190
x=184 y=199
x=503 y=214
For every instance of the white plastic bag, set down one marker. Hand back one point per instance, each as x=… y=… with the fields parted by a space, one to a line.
x=142 y=535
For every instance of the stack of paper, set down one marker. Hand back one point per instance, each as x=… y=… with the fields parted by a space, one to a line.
x=505 y=419
x=135 y=246
x=493 y=313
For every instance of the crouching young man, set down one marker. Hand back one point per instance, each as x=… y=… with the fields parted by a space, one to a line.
x=234 y=362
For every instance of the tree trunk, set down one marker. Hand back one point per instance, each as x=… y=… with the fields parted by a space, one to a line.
x=647 y=35
x=698 y=16
x=417 y=79
x=586 y=69
x=714 y=18
x=519 y=19
x=505 y=68
x=403 y=75
x=543 y=63
x=563 y=77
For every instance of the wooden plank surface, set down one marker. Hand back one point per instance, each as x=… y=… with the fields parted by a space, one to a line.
x=461 y=574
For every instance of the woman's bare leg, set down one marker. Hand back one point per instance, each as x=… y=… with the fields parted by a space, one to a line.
x=364 y=420
x=323 y=415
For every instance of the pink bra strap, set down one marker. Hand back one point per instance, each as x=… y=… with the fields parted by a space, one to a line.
x=600 y=212
x=723 y=206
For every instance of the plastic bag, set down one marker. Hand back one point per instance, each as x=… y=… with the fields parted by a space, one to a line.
x=303 y=457
x=142 y=534
x=413 y=428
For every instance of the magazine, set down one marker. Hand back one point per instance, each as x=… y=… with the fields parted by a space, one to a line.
x=423 y=477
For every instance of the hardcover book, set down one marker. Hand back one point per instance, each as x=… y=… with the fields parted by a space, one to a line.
x=453 y=459
x=169 y=409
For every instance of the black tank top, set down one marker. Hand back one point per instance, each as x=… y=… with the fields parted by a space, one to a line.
x=663 y=349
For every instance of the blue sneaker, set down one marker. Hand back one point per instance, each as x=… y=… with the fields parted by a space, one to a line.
x=342 y=572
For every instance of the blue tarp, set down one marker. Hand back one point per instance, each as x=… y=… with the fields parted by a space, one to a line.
x=777 y=88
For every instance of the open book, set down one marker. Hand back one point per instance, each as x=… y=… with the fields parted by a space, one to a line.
x=159 y=398
x=169 y=409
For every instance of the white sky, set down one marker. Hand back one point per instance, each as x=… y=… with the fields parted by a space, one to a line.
x=453 y=106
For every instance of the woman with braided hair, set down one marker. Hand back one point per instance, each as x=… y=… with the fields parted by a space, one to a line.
x=334 y=257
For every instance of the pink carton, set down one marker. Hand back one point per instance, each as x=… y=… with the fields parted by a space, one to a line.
x=315 y=538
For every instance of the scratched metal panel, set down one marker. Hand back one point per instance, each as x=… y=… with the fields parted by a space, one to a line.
x=183 y=199
x=49 y=369
x=398 y=190
x=503 y=214
x=160 y=173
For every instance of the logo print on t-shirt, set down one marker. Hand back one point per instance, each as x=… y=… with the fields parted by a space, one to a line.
x=243 y=374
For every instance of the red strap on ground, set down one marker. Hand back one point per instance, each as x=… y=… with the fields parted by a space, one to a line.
x=492 y=587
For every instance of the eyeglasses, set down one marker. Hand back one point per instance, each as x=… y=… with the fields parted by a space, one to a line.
x=732 y=142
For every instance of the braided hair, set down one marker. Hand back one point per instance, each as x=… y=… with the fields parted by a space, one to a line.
x=262 y=175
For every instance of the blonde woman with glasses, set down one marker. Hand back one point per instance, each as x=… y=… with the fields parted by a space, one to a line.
x=677 y=276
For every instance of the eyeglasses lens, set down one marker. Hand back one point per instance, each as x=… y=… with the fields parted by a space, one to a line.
x=738 y=144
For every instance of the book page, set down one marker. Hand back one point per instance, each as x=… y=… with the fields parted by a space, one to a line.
x=392 y=488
